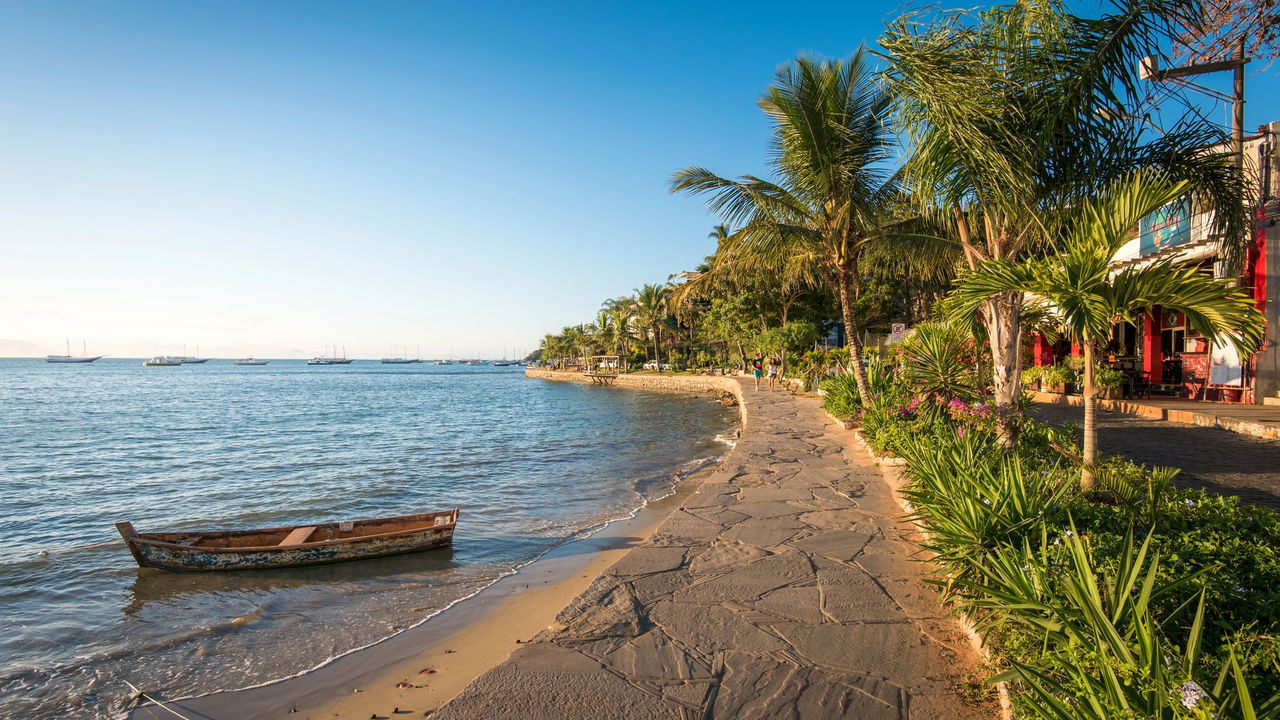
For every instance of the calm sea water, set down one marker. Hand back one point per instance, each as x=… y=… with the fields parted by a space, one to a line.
x=531 y=463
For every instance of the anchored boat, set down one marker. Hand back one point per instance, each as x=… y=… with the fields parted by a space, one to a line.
x=290 y=546
x=69 y=358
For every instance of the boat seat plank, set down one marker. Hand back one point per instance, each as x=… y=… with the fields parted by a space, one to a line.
x=298 y=536
x=190 y=540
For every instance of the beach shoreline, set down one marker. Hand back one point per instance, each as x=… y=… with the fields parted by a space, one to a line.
x=517 y=608
x=420 y=669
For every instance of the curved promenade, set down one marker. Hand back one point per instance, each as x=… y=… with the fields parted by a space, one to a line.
x=785 y=587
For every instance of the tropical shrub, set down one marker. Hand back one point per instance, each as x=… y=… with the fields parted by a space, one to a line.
x=1138 y=600
x=840 y=396
x=940 y=358
x=815 y=365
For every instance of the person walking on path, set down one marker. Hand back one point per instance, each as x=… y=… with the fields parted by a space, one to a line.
x=773 y=374
x=757 y=369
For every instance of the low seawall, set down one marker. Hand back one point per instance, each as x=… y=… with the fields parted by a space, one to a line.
x=712 y=384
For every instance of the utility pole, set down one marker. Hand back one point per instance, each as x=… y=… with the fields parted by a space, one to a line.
x=1237 y=107
x=1149 y=69
x=1267 y=377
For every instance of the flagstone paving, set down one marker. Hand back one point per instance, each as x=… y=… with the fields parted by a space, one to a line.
x=1212 y=459
x=785 y=587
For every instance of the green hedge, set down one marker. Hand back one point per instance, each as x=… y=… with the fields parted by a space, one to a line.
x=1141 y=601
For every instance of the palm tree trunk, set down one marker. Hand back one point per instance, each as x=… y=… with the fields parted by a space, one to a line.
x=851 y=333
x=1002 y=316
x=656 y=355
x=1087 y=481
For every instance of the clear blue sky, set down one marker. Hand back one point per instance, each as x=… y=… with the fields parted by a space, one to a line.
x=269 y=177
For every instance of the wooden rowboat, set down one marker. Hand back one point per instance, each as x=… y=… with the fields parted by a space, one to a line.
x=290 y=546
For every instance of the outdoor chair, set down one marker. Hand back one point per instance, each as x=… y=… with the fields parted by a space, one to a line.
x=1139 y=385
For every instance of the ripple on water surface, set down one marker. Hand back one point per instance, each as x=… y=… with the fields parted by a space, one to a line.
x=530 y=463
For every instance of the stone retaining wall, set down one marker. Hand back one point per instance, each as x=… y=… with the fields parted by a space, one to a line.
x=1266 y=431
x=712 y=384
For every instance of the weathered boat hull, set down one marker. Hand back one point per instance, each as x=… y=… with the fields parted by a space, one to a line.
x=177 y=551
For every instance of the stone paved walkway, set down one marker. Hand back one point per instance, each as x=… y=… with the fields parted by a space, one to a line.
x=1213 y=459
x=784 y=588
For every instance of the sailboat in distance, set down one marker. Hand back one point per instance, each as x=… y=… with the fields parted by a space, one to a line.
x=69 y=358
x=331 y=359
x=192 y=359
x=397 y=360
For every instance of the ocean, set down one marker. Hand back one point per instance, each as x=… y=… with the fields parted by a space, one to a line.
x=532 y=464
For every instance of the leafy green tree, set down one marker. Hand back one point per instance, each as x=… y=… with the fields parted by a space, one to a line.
x=784 y=339
x=731 y=320
x=1089 y=298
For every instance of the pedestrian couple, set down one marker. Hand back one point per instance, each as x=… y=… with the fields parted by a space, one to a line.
x=758 y=369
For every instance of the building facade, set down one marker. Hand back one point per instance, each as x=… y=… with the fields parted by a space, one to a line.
x=1170 y=357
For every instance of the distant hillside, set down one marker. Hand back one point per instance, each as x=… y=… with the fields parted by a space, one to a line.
x=21 y=348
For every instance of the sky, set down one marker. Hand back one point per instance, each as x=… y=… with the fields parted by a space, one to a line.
x=274 y=178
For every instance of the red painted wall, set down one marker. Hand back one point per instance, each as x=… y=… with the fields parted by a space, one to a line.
x=1151 y=355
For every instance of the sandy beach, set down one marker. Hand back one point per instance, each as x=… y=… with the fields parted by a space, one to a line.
x=459 y=644
x=526 y=604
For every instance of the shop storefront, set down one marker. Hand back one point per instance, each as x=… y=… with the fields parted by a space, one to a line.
x=1161 y=354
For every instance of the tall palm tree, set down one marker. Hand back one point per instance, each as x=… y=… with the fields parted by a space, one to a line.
x=1088 y=298
x=651 y=309
x=622 y=324
x=833 y=193
x=1015 y=111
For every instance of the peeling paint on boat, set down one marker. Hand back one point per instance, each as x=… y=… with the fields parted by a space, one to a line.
x=157 y=549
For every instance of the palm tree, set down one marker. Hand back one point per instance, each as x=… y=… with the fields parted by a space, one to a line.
x=1088 y=298
x=622 y=324
x=651 y=310
x=833 y=194
x=1015 y=111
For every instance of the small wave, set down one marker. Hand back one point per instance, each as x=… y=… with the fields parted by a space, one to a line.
x=729 y=438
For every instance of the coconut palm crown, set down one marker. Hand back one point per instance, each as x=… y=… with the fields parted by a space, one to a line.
x=832 y=193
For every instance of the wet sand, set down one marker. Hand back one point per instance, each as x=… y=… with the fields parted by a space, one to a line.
x=459 y=644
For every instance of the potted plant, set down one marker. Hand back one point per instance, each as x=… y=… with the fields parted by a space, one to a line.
x=1056 y=378
x=1109 y=382
x=1033 y=378
x=1075 y=365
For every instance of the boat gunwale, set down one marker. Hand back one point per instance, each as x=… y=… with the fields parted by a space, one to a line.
x=142 y=537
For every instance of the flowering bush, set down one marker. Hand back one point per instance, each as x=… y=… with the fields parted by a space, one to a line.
x=814 y=366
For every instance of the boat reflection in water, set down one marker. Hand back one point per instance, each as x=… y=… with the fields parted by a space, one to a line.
x=211 y=590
